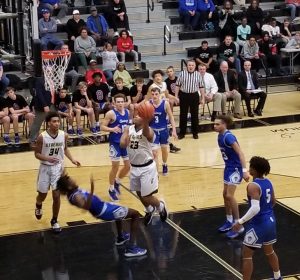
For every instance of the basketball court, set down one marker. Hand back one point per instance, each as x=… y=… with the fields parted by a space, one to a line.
x=188 y=246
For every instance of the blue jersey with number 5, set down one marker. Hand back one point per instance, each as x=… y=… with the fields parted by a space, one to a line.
x=120 y=120
x=160 y=116
x=230 y=157
x=265 y=201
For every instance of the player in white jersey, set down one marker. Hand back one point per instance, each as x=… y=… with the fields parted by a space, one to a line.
x=137 y=138
x=51 y=146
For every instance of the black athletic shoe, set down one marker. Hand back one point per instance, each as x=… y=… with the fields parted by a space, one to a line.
x=38 y=213
x=164 y=213
x=174 y=149
x=148 y=217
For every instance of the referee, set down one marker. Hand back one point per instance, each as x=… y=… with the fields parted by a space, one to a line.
x=188 y=85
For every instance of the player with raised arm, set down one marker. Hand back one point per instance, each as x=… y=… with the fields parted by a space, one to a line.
x=138 y=138
x=114 y=122
x=235 y=170
x=51 y=147
x=105 y=211
x=159 y=124
x=260 y=219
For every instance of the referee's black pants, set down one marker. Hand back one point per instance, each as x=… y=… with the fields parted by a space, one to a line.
x=189 y=101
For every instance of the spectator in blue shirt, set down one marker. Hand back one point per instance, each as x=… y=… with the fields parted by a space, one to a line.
x=47 y=29
x=97 y=26
x=4 y=81
x=188 y=11
x=208 y=14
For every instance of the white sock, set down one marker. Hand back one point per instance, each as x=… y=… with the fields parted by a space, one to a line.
x=161 y=206
x=118 y=181
x=97 y=124
x=111 y=187
x=149 y=208
x=277 y=274
x=164 y=163
x=229 y=218
x=70 y=127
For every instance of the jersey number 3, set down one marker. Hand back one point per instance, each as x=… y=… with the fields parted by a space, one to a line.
x=134 y=145
x=54 y=151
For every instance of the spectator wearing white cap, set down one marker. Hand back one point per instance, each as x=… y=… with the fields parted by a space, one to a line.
x=73 y=27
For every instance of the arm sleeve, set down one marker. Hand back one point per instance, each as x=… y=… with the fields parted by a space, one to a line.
x=253 y=210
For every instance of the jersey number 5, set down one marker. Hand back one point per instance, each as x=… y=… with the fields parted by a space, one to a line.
x=268 y=195
x=53 y=151
x=134 y=145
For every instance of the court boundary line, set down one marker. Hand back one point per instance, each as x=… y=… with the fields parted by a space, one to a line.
x=287 y=207
x=197 y=243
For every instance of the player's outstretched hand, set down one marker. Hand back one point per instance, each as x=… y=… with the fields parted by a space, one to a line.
x=76 y=162
x=236 y=227
x=92 y=183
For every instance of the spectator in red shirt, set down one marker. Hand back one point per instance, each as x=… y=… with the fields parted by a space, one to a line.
x=125 y=46
x=93 y=69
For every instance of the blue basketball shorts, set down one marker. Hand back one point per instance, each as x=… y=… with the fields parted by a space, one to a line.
x=233 y=175
x=161 y=138
x=259 y=234
x=116 y=152
x=112 y=212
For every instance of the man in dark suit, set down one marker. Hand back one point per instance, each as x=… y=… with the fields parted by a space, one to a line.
x=248 y=86
x=227 y=85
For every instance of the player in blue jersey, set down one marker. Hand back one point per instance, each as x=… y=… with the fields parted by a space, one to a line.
x=235 y=170
x=114 y=122
x=261 y=226
x=159 y=124
x=105 y=211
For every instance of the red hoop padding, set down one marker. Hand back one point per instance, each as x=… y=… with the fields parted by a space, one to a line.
x=54 y=54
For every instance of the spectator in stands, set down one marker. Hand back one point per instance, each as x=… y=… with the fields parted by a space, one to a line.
x=121 y=72
x=248 y=86
x=209 y=89
x=85 y=47
x=125 y=47
x=120 y=88
x=227 y=52
x=204 y=56
x=188 y=12
x=286 y=30
x=93 y=69
x=5 y=120
x=227 y=21
x=118 y=16
x=72 y=69
x=73 y=27
x=54 y=6
x=188 y=84
x=43 y=102
x=47 y=29
x=64 y=108
x=109 y=61
x=243 y=32
x=268 y=54
x=4 y=81
x=18 y=111
x=97 y=26
x=208 y=15
x=138 y=91
x=250 y=52
x=227 y=85
x=294 y=43
x=293 y=5
x=98 y=92
x=267 y=26
x=255 y=17
x=276 y=35
x=82 y=105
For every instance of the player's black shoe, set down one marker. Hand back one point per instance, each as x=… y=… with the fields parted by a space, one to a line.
x=148 y=217
x=164 y=213
x=174 y=149
x=38 y=212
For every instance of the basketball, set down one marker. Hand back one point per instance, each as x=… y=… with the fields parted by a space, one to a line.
x=146 y=110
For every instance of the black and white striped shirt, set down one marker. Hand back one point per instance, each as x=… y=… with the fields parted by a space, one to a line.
x=189 y=82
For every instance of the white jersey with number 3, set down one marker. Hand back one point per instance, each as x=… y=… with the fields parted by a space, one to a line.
x=139 y=149
x=53 y=146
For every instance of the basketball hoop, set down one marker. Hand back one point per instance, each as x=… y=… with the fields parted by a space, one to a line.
x=55 y=63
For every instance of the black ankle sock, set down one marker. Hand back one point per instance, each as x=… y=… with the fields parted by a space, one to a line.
x=38 y=206
x=54 y=220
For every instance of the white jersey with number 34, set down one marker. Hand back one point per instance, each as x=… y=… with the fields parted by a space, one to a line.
x=53 y=146
x=139 y=148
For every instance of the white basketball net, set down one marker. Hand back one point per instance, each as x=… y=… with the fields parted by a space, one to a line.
x=54 y=65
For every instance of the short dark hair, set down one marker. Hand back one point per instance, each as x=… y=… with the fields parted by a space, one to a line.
x=62 y=183
x=225 y=119
x=8 y=89
x=260 y=165
x=170 y=67
x=155 y=72
x=154 y=89
x=139 y=80
x=124 y=31
x=97 y=74
x=204 y=42
x=51 y=115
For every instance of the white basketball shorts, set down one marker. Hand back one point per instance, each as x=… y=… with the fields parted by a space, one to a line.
x=48 y=177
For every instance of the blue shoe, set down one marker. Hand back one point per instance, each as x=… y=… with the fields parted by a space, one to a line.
x=79 y=132
x=93 y=130
x=122 y=239
x=113 y=195
x=234 y=234
x=225 y=227
x=134 y=251
x=117 y=187
x=7 y=140
x=17 y=140
x=71 y=132
x=98 y=129
x=164 y=170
